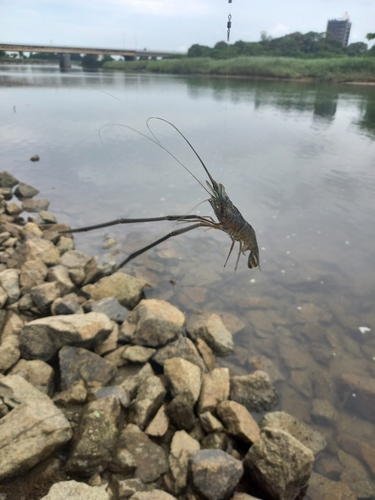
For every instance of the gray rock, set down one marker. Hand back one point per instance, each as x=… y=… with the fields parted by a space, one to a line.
x=137 y=353
x=25 y=191
x=206 y=354
x=4 y=236
x=34 y=158
x=43 y=338
x=30 y=432
x=180 y=348
x=47 y=217
x=9 y=352
x=181 y=412
x=238 y=421
x=9 y=280
x=278 y=464
x=76 y=273
x=214 y=473
x=13 y=209
x=126 y=289
x=77 y=364
x=26 y=302
x=215 y=441
x=255 y=391
x=183 y=377
x=111 y=308
x=182 y=447
x=33 y=272
x=35 y=204
x=324 y=412
x=60 y=275
x=117 y=391
x=151 y=461
x=75 y=258
x=362 y=391
x=157 y=323
x=3 y=297
x=73 y=490
x=44 y=295
x=7 y=179
x=150 y=396
x=13 y=325
x=97 y=436
x=6 y=193
x=281 y=420
x=212 y=330
x=37 y=372
x=64 y=245
x=356 y=476
x=67 y=305
x=215 y=388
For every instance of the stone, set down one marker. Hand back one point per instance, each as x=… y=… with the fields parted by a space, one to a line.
x=64 y=245
x=3 y=297
x=76 y=394
x=7 y=180
x=74 y=258
x=182 y=447
x=44 y=295
x=211 y=329
x=4 y=236
x=126 y=289
x=9 y=280
x=95 y=442
x=157 y=323
x=32 y=273
x=266 y=365
x=67 y=305
x=35 y=204
x=9 y=352
x=215 y=441
x=77 y=274
x=110 y=344
x=25 y=303
x=215 y=388
x=183 y=377
x=150 y=396
x=32 y=431
x=6 y=194
x=214 y=474
x=43 y=338
x=238 y=421
x=111 y=308
x=181 y=411
x=278 y=465
x=73 y=490
x=323 y=412
x=31 y=228
x=244 y=496
x=210 y=423
x=127 y=487
x=363 y=390
x=37 y=248
x=206 y=354
x=77 y=364
x=151 y=461
x=13 y=209
x=152 y=495
x=321 y=488
x=119 y=392
x=47 y=217
x=38 y=373
x=60 y=275
x=137 y=353
x=254 y=391
x=355 y=476
x=180 y=348
x=13 y=325
x=25 y=191
x=159 y=424
x=309 y=437
x=34 y=158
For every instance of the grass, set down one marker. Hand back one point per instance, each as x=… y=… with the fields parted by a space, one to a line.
x=342 y=69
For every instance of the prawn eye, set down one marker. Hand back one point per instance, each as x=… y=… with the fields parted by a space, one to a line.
x=253 y=261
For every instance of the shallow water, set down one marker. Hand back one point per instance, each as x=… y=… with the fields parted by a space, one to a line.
x=297 y=159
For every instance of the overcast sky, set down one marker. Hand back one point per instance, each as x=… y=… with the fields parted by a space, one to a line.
x=172 y=25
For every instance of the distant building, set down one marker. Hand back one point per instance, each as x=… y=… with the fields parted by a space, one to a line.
x=339 y=29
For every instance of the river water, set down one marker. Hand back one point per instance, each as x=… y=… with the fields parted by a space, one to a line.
x=297 y=159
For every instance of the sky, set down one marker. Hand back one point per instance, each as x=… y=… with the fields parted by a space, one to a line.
x=171 y=25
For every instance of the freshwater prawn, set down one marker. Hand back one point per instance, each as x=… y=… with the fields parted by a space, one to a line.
x=229 y=218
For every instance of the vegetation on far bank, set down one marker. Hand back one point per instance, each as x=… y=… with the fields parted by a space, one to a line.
x=344 y=69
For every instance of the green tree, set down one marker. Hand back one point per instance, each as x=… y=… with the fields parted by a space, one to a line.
x=197 y=50
x=356 y=49
x=370 y=36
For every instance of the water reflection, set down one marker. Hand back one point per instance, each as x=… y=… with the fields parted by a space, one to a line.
x=297 y=160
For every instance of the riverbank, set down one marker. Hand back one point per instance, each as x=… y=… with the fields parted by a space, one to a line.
x=342 y=69
x=122 y=393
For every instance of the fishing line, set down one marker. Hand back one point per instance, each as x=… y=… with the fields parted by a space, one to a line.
x=229 y=25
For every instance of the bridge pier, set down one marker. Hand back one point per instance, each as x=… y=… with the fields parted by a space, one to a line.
x=65 y=61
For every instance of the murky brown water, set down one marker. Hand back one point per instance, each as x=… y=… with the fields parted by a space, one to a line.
x=296 y=159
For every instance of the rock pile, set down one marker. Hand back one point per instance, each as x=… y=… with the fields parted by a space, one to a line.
x=120 y=392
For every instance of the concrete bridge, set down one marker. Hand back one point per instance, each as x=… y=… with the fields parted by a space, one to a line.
x=65 y=51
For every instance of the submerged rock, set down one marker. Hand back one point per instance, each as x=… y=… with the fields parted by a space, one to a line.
x=255 y=391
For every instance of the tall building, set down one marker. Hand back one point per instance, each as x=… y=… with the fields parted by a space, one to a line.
x=339 y=29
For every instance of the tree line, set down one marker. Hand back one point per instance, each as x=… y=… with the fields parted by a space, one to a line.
x=308 y=45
